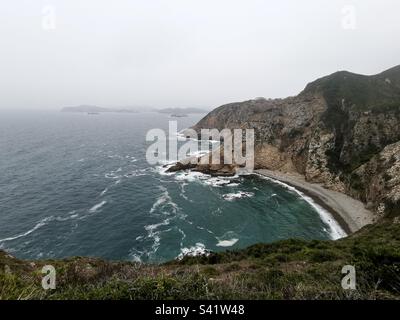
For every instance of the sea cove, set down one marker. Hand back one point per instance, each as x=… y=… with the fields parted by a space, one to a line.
x=93 y=193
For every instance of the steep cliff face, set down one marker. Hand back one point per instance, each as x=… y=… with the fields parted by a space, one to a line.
x=377 y=182
x=282 y=127
x=340 y=127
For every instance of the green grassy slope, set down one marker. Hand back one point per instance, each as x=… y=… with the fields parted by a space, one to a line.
x=291 y=269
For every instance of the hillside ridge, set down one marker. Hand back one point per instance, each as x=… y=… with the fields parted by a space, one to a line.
x=342 y=131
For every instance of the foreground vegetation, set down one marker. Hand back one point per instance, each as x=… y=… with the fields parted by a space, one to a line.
x=290 y=269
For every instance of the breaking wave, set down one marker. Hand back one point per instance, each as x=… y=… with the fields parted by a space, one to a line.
x=335 y=230
x=237 y=195
x=98 y=206
x=196 y=250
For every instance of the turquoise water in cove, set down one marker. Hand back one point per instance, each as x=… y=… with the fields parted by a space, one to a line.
x=78 y=184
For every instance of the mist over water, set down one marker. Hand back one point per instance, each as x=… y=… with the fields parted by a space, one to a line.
x=75 y=184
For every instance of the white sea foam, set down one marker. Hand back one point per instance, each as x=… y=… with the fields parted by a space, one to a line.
x=205 y=229
x=217 y=212
x=158 y=203
x=183 y=191
x=227 y=243
x=112 y=175
x=206 y=179
x=130 y=158
x=136 y=255
x=196 y=250
x=217 y=181
x=136 y=258
x=103 y=192
x=233 y=184
x=136 y=173
x=228 y=239
x=163 y=202
x=154 y=234
x=335 y=230
x=237 y=195
x=152 y=227
x=40 y=224
x=96 y=207
x=70 y=216
x=183 y=236
x=167 y=207
x=162 y=169
x=190 y=176
x=194 y=176
x=115 y=156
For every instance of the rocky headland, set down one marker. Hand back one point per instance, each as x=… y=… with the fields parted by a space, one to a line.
x=342 y=132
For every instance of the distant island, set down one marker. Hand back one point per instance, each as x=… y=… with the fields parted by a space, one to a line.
x=85 y=108
x=179 y=115
x=182 y=111
x=175 y=112
x=96 y=110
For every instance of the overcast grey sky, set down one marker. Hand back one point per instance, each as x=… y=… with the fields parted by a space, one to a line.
x=178 y=53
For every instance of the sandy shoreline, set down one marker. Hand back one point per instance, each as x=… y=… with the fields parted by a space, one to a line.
x=348 y=212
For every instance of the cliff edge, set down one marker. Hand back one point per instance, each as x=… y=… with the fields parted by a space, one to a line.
x=342 y=131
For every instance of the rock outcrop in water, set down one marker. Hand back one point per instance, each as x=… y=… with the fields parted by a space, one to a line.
x=195 y=164
x=342 y=131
